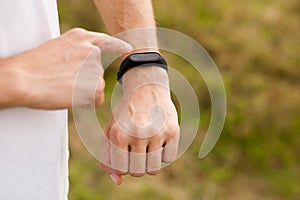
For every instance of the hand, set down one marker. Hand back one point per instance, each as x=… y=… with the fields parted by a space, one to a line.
x=47 y=74
x=143 y=131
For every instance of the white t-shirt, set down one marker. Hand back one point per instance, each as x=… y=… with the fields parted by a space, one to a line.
x=33 y=143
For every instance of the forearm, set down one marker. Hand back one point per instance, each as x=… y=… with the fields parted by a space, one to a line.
x=11 y=88
x=143 y=88
x=120 y=16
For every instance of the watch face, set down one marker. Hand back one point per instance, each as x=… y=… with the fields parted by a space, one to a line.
x=144 y=57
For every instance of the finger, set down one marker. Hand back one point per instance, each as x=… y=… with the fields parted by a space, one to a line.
x=170 y=150
x=137 y=159
x=154 y=157
x=105 y=154
x=105 y=162
x=118 y=151
x=117 y=179
x=99 y=96
x=110 y=44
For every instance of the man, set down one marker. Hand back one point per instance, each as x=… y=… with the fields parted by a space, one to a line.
x=38 y=69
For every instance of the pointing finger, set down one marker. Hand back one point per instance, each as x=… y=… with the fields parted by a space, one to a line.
x=110 y=44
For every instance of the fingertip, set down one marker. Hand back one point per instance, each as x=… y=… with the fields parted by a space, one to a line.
x=117 y=179
x=111 y=44
x=127 y=47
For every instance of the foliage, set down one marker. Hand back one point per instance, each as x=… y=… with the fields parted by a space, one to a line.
x=256 y=47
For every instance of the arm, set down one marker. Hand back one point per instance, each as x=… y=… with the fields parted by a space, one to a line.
x=10 y=86
x=120 y=16
x=132 y=149
x=44 y=77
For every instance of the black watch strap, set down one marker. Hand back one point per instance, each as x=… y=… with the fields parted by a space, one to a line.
x=141 y=60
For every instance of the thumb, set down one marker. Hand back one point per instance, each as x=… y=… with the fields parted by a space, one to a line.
x=117 y=179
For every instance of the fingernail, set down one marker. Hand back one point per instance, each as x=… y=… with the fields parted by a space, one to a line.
x=113 y=178
x=127 y=46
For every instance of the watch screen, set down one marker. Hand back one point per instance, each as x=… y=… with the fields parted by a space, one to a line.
x=145 y=57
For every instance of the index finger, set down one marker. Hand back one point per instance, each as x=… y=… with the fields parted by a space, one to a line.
x=110 y=44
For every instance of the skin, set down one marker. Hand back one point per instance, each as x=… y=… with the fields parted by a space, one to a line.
x=120 y=16
x=44 y=77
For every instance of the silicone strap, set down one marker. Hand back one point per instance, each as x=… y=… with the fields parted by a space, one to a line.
x=141 y=60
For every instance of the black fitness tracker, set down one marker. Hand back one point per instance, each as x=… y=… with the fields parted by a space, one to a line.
x=141 y=60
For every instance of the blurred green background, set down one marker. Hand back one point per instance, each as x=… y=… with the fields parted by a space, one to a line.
x=256 y=47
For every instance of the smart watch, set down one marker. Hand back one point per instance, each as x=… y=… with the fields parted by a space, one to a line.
x=141 y=60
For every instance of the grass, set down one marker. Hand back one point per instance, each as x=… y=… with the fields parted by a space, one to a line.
x=256 y=47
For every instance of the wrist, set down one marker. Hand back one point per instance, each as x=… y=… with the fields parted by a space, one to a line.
x=142 y=39
x=141 y=76
x=141 y=50
x=13 y=85
x=142 y=60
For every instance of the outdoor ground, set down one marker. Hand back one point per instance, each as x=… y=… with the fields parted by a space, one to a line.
x=256 y=46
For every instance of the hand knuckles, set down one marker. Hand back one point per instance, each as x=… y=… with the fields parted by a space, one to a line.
x=156 y=138
x=96 y=50
x=101 y=86
x=104 y=36
x=117 y=136
x=99 y=97
x=107 y=40
x=172 y=130
x=91 y=51
x=99 y=102
x=77 y=33
x=103 y=83
x=138 y=146
x=77 y=30
x=100 y=91
x=118 y=139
